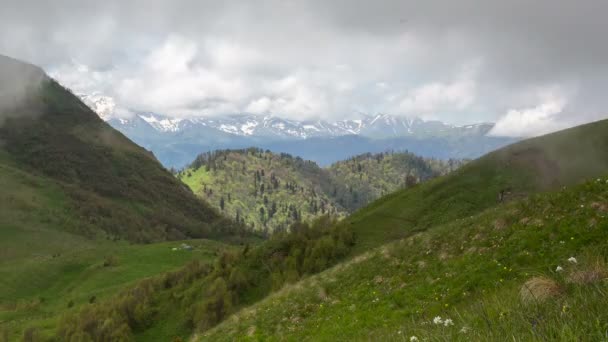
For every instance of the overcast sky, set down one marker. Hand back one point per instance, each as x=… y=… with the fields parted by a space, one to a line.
x=531 y=66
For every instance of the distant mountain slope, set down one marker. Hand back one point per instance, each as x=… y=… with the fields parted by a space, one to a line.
x=177 y=141
x=272 y=191
x=111 y=185
x=371 y=176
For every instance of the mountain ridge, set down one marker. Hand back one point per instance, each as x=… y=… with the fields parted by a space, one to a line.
x=176 y=142
x=271 y=192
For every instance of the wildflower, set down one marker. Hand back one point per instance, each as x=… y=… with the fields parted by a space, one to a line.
x=413 y=339
x=437 y=320
x=448 y=322
x=582 y=205
x=562 y=242
x=464 y=330
x=558 y=269
x=572 y=260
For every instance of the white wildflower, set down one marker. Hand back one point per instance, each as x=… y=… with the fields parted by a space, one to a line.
x=413 y=339
x=464 y=330
x=438 y=320
x=572 y=260
x=582 y=205
x=562 y=242
x=448 y=322
x=558 y=269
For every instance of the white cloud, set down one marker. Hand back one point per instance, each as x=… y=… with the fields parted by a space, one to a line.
x=540 y=119
x=259 y=106
x=437 y=97
x=328 y=59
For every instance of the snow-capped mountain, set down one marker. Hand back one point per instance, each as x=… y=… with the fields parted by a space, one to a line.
x=177 y=141
x=248 y=125
x=104 y=106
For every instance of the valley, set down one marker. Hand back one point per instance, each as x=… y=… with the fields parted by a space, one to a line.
x=198 y=190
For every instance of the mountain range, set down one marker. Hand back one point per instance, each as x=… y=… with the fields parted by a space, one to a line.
x=177 y=141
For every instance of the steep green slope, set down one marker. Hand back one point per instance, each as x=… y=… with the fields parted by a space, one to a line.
x=530 y=270
x=272 y=191
x=75 y=195
x=538 y=164
x=111 y=185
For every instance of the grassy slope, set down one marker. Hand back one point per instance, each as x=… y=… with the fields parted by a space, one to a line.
x=113 y=185
x=469 y=270
x=451 y=218
x=44 y=267
x=72 y=189
x=533 y=165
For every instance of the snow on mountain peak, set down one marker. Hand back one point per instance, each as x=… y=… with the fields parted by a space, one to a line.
x=104 y=106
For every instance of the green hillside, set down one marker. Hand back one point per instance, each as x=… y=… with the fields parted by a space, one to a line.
x=269 y=191
x=76 y=195
x=112 y=185
x=530 y=270
x=422 y=251
x=371 y=176
x=539 y=164
x=464 y=260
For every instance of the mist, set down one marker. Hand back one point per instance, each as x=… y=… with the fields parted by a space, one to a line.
x=18 y=83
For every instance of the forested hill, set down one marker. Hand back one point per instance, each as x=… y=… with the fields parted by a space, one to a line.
x=269 y=191
x=370 y=176
x=110 y=186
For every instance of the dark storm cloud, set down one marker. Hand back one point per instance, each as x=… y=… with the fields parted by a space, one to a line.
x=529 y=64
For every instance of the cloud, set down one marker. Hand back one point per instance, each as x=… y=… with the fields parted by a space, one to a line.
x=324 y=59
x=533 y=121
x=438 y=97
x=18 y=83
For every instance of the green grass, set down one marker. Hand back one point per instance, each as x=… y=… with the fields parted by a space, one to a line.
x=36 y=291
x=45 y=265
x=469 y=270
x=540 y=164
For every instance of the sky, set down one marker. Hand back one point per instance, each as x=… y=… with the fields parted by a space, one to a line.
x=530 y=66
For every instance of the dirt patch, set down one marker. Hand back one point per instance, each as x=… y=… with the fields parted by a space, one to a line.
x=539 y=289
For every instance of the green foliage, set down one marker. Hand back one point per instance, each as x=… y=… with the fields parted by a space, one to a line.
x=535 y=165
x=270 y=192
x=368 y=177
x=112 y=186
x=208 y=294
x=470 y=271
